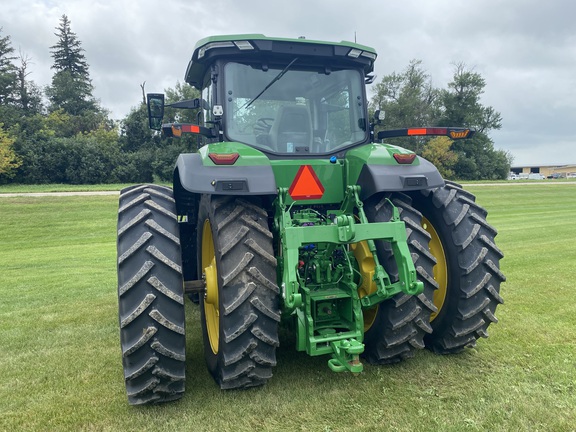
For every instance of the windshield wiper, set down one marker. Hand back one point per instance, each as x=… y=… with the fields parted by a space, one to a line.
x=276 y=78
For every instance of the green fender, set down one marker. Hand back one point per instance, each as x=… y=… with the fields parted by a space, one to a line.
x=374 y=169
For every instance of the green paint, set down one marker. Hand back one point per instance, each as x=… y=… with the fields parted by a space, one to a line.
x=318 y=276
x=375 y=154
x=317 y=272
x=330 y=175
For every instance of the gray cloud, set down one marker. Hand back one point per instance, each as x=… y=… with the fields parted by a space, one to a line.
x=525 y=49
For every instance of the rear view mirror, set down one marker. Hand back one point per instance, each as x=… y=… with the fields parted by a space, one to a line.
x=379 y=116
x=155 y=110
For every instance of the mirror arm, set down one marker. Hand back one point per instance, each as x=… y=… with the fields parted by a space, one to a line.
x=189 y=104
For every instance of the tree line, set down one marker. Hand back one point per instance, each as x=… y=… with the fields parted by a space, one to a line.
x=61 y=134
x=409 y=99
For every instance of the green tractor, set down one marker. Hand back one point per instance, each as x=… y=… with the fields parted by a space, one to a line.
x=294 y=212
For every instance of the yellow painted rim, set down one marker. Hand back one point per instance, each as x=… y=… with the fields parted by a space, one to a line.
x=211 y=309
x=440 y=269
x=366 y=266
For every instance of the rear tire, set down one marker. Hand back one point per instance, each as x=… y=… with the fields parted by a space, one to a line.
x=401 y=322
x=468 y=267
x=240 y=311
x=150 y=295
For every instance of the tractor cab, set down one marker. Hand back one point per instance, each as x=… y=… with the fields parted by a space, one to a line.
x=281 y=96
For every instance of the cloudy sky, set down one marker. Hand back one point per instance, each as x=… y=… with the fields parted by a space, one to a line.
x=525 y=49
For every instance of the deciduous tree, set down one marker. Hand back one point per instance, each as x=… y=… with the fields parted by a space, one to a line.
x=28 y=94
x=409 y=99
x=461 y=106
x=438 y=151
x=9 y=161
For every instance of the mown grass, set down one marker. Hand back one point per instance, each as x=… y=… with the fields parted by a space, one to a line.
x=55 y=187
x=61 y=364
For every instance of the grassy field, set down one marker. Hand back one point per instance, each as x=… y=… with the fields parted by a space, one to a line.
x=18 y=188
x=61 y=368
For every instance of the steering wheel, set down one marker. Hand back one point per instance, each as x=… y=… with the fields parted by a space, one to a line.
x=263 y=125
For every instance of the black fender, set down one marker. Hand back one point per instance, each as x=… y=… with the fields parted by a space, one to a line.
x=398 y=178
x=195 y=177
x=192 y=179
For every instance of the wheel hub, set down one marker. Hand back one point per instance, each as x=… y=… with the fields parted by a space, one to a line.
x=440 y=269
x=210 y=276
x=368 y=286
x=210 y=273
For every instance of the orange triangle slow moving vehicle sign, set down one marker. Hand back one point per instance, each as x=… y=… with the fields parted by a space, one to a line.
x=306 y=185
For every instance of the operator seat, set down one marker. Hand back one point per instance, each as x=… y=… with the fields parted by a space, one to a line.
x=291 y=131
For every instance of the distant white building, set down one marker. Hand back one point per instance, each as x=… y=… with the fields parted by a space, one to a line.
x=545 y=170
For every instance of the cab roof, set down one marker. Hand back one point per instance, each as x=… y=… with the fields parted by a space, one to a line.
x=271 y=50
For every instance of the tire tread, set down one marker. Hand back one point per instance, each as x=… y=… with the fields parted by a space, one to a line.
x=468 y=241
x=248 y=293
x=150 y=295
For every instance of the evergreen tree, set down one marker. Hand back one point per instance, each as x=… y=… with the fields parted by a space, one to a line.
x=71 y=88
x=68 y=52
x=7 y=70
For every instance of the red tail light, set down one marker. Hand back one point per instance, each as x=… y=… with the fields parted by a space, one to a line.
x=404 y=159
x=223 y=158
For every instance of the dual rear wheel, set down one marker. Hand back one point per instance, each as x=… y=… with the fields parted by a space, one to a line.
x=451 y=244
x=456 y=258
x=240 y=311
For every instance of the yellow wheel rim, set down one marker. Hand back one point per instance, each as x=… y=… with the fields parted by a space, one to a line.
x=366 y=265
x=211 y=309
x=440 y=269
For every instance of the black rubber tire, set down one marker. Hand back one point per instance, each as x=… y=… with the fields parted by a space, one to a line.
x=472 y=258
x=150 y=295
x=249 y=310
x=402 y=321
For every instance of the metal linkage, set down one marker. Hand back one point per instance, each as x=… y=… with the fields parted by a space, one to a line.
x=319 y=276
x=395 y=233
x=346 y=356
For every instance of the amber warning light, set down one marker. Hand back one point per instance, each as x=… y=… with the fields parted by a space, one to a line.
x=459 y=134
x=179 y=129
